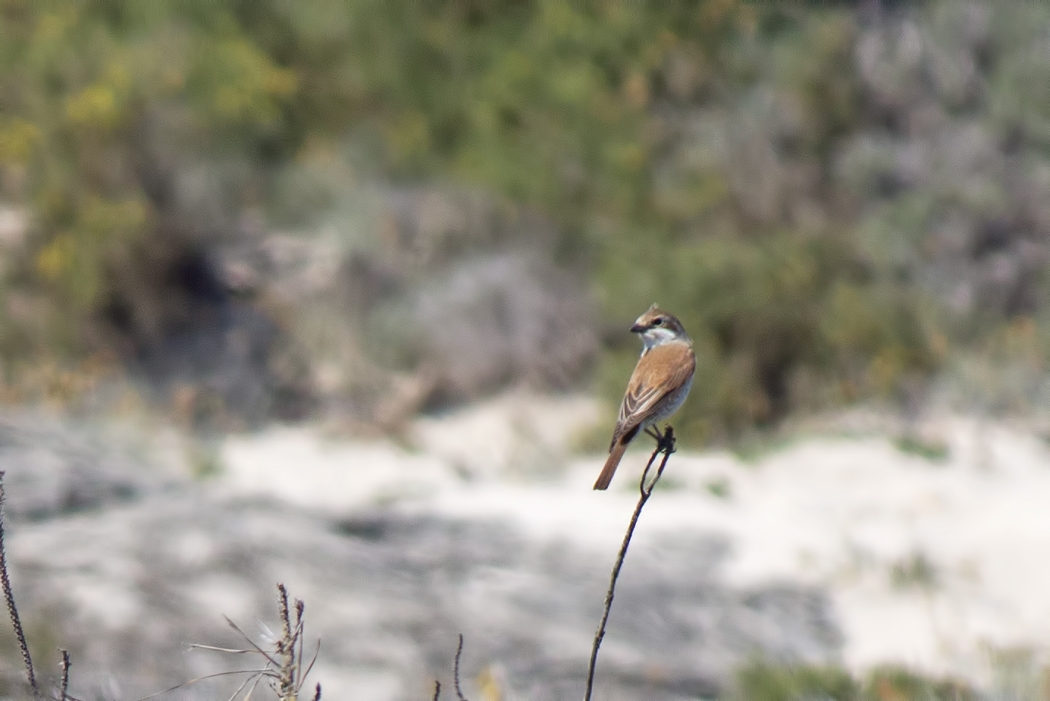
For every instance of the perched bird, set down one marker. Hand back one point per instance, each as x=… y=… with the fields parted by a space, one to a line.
x=659 y=384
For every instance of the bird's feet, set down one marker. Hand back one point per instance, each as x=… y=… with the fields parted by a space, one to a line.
x=668 y=440
x=665 y=442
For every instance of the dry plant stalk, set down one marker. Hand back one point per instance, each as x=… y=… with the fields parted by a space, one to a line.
x=12 y=610
x=64 y=688
x=282 y=667
x=455 y=669
x=664 y=444
x=290 y=663
x=455 y=675
x=16 y=621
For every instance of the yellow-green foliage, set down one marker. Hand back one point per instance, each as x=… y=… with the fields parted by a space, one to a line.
x=81 y=87
x=690 y=152
x=761 y=682
x=784 y=322
x=570 y=106
x=544 y=100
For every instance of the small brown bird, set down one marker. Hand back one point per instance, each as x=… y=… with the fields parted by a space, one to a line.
x=658 y=386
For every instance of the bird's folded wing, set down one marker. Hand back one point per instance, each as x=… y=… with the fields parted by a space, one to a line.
x=659 y=372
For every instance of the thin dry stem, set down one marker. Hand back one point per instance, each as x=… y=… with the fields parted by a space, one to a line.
x=9 y=595
x=285 y=649
x=254 y=672
x=283 y=670
x=63 y=692
x=455 y=669
x=664 y=444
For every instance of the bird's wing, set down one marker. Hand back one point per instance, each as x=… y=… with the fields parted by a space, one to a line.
x=659 y=372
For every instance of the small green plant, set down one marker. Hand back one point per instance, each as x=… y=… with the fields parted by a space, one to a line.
x=916 y=570
x=898 y=684
x=932 y=449
x=205 y=459
x=719 y=487
x=763 y=681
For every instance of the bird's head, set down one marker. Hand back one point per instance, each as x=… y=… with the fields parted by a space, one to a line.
x=657 y=326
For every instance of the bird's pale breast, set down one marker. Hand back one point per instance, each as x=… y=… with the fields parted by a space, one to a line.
x=669 y=404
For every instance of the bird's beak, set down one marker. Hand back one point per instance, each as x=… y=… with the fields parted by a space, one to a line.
x=638 y=328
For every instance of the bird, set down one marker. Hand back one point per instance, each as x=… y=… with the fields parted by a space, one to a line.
x=658 y=386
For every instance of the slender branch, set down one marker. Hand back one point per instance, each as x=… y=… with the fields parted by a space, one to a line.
x=9 y=595
x=455 y=669
x=437 y=690
x=63 y=693
x=664 y=444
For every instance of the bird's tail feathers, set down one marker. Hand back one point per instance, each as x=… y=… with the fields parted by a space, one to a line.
x=611 y=464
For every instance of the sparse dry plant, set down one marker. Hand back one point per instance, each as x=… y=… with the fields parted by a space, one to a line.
x=12 y=609
x=281 y=666
x=455 y=675
x=16 y=622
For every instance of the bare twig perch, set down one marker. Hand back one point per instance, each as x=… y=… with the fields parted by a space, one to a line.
x=664 y=444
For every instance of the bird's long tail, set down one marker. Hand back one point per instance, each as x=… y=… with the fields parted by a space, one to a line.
x=611 y=464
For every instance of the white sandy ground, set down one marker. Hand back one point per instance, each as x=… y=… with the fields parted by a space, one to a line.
x=842 y=513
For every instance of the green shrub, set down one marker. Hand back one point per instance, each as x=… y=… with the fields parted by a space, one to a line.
x=101 y=100
x=751 y=167
x=761 y=681
x=764 y=682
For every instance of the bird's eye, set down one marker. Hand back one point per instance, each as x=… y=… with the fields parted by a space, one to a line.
x=659 y=322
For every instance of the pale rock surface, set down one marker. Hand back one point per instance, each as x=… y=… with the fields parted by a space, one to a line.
x=831 y=549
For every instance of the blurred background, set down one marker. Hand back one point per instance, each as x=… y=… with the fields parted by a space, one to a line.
x=229 y=215
x=267 y=210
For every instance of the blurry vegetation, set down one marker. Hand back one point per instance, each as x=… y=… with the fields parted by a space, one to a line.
x=719 y=487
x=916 y=570
x=842 y=201
x=762 y=681
x=101 y=103
x=932 y=449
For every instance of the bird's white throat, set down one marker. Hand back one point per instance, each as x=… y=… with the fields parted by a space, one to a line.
x=656 y=336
